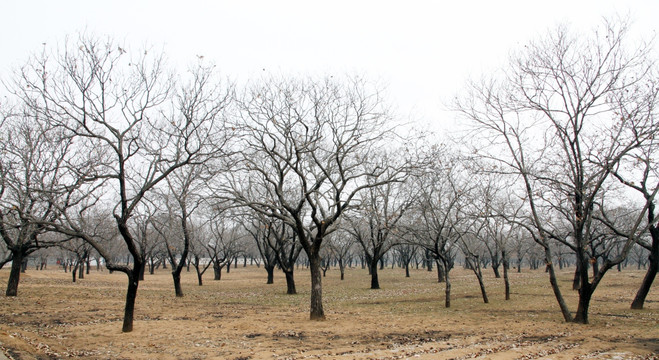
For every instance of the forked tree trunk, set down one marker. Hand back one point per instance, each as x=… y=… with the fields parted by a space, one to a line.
x=200 y=282
x=495 y=269
x=585 y=288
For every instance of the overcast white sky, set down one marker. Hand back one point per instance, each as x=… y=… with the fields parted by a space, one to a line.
x=423 y=50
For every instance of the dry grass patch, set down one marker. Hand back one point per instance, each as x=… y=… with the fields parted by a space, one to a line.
x=240 y=317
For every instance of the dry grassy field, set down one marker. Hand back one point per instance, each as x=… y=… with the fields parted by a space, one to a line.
x=240 y=317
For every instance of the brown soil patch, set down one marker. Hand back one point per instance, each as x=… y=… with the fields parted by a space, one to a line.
x=240 y=317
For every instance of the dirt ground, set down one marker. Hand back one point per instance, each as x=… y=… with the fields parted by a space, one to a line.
x=240 y=317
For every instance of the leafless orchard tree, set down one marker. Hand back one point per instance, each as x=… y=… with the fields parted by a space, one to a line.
x=439 y=222
x=260 y=229
x=180 y=200
x=561 y=118
x=342 y=246
x=225 y=242
x=375 y=222
x=500 y=212
x=132 y=127
x=202 y=254
x=32 y=156
x=307 y=141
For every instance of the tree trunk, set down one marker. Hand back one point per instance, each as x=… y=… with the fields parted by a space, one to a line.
x=505 y=274
x=217 y=270
x=447 y=290
x=199 y=277
x=440 y=272
x=131 y=295
x=74 y=272
x=15 y=273
x=576 y=281
x=375 y=282
x=639 y=299
x=554 y=285
x=316 y=311
x=271 y=274
x=479 y=275
x=585 y=294
x=342 y=269
x=81 y=271
x=495 y=268
x=585 y=289
x=176 y=275
x=290 y=283
x=143 y=269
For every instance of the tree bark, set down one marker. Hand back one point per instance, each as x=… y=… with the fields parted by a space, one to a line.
x=316 y=308
x=554 y=285
x=440 y=272
x=81 y=270
x=585 y=289
x=131 y=295
x=585 y=294
x=290 y=283
x=447 y=290
x=479 y=275
x=375 y=282
x=199 y=278
x=15 y=273
x=639 y=299
x=271 y=274
x=176 y=275
x=506 y=280
x=495 y=268
x=74 y=272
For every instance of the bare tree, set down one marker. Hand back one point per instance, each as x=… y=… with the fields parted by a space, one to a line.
x=306 y=141
x=33 y=157
x=341 y=244
x=375 y=223
x=181 y=199
x=224 y=242
x=260 y=228
x=564 y=114
x=131 y=126
x=438 y=220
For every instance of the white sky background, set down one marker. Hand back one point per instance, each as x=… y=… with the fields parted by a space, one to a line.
x=423 y=50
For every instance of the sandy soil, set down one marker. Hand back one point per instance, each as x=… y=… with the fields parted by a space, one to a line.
x=239 y=317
